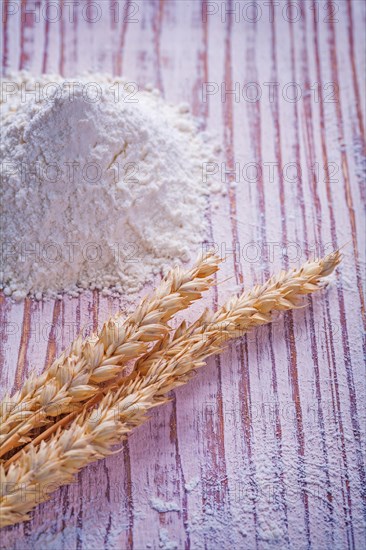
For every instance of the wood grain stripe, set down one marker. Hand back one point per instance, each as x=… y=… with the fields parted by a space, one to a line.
x=174 y=439
x=349 y=201
x=345 y=169
x=156 y=25
x=229 y=147
x=46 y=43
x=5 y=335
x=23 y=57
x=52 y=344
x=128 y=493
x=356 y=88
x=289 y=329
x=241 y=347
x=61 y=67
x=340 y=297
x=119 y=57
x=75 y=26
x=316 y=204
x=255 y=118
x=5 y=16
x=22 y=354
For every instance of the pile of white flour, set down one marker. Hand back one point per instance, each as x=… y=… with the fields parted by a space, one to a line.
x=102 y=185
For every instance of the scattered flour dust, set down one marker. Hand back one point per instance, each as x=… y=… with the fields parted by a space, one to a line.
x=165 y=542
x=164 y=506
x=102 y=185
x=192 y=484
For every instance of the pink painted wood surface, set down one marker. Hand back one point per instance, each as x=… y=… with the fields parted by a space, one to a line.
x=265 y=448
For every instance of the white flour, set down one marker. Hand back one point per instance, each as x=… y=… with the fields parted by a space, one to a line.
x=102 y=185
x=163 y=506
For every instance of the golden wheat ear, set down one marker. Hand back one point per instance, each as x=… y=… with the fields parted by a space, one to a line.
x=91 y=437
x=76 y=375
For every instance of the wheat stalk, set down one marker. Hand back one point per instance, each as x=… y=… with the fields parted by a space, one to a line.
x=24 y=481
x=238 y=315
x=75 y=376
x=252 y=308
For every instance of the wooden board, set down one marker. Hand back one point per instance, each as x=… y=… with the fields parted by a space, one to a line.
x=265 y=448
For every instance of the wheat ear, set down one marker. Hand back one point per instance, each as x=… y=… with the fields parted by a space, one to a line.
x=252 y=308
x=237 y=316
x=74 y=377
x=89 y=439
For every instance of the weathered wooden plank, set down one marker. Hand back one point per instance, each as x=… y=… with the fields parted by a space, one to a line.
x=266 y=447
